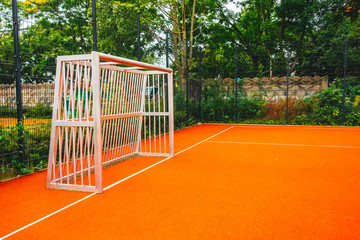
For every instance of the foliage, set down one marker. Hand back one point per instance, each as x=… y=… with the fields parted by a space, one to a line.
x=260 y=29
x=36 y=139
x=35 y=142
x=352 y=9
x=216 y=104
x=40 y=110
x=276 y=109
x=315 y=31
x=180 y=111
x=117 y=29
x=52 y=28
x=326 y=108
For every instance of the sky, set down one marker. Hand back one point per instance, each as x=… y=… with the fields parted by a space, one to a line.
x=232 y=6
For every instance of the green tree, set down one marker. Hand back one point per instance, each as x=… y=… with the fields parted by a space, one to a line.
x=6 y=43
x=255 y=30
x=50 y=28
x=117 y=29
x=183 y=19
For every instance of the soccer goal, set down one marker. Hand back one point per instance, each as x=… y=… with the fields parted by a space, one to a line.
x=106 y=109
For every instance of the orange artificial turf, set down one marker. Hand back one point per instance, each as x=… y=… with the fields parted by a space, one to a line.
x=11 y=122
x=229 y=187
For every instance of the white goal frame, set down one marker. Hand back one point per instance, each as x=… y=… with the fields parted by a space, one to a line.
x=106 y=109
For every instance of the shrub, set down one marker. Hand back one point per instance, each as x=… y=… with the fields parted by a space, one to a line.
x=275 y=109
x=8 y=111
x=36 y=144
x=40 y=110
x=180 y=111
x=251 y=107
x=325 y=108
x=179 y=101
x=353 y=117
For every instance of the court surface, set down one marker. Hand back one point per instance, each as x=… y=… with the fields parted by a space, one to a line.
x=225 y=182
x=11 y=122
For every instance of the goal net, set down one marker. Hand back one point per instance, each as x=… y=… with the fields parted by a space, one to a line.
x=106 y=109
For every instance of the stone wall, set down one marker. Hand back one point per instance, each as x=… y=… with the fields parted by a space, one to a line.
x=299 y=87
x=273 y=88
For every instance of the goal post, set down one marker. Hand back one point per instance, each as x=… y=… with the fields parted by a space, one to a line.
x=106 y=109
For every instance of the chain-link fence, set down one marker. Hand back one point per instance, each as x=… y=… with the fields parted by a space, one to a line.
x=33 y=34
x=303 y=85
x=312 y=83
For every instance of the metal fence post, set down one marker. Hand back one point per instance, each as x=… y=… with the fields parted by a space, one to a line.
x=138 y=37
x=344 y=83
x=95 y=42
x=287 y=83
x=17 y=75
x=167 y=48
x=236 y=83
x=200 y=82
x=187 y=81
x=167 y=65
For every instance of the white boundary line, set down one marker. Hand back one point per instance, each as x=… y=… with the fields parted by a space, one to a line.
x=284 y=144
x=47 y=216
x=124 y=179
x=108 y=187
